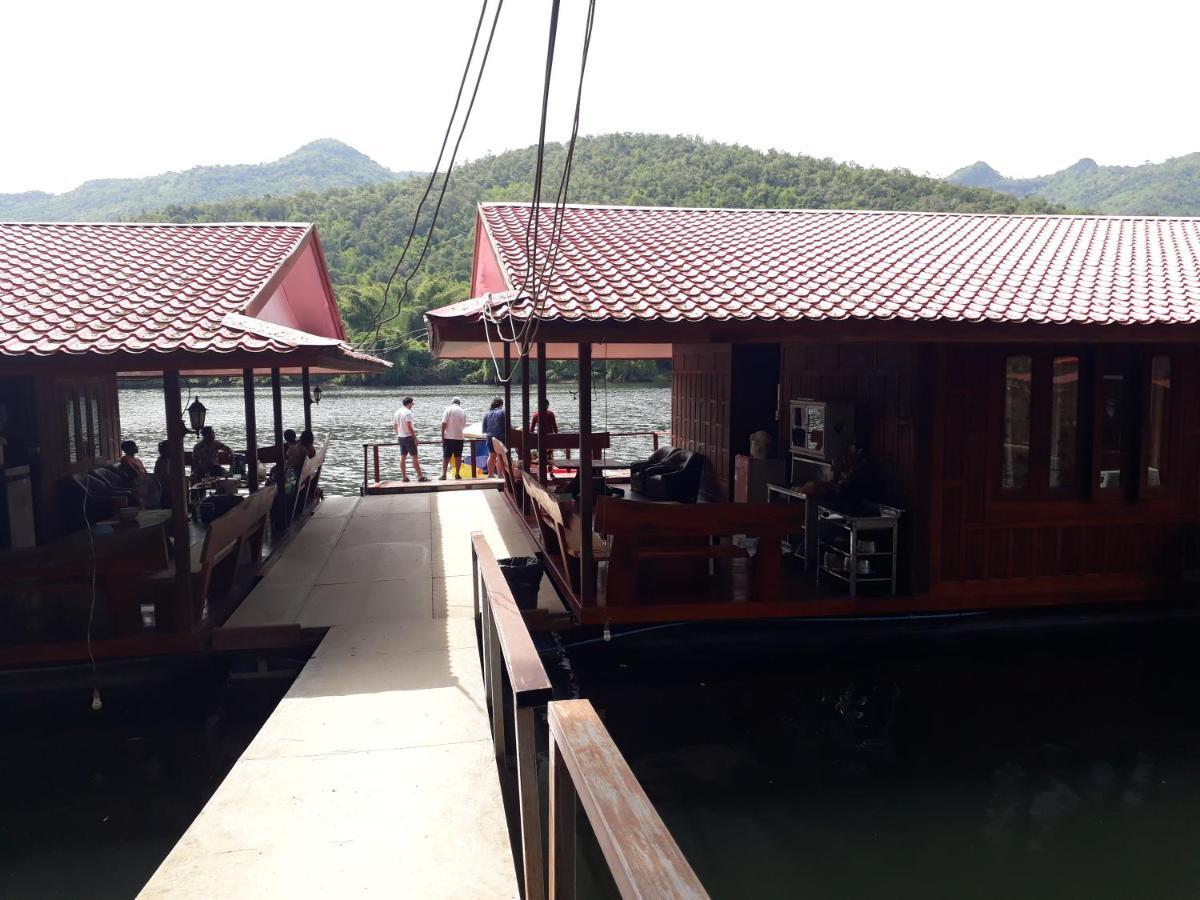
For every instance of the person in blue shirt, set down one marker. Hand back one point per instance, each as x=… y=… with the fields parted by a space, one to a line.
x=494 y=427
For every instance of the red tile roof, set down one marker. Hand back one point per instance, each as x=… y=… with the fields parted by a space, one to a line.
x=142 y=289
x=636 y=263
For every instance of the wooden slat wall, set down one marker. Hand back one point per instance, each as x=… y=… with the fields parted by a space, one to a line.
x=53 y=440
x=879 y=380
x=700 y=417
x=996 y=544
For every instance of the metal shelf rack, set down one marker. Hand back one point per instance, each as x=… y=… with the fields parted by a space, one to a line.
x=844 y=529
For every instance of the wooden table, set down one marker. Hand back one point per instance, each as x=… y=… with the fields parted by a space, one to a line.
x=598 y=465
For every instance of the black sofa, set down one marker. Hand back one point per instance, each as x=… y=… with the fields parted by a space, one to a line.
x=676 y=477
x=637 y=469
x=94 y=495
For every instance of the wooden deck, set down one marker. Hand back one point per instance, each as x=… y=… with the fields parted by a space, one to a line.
x=433 y=487
x=376 y=774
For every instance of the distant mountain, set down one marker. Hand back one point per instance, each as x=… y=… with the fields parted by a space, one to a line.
x=319 y=166
x=1170 y=188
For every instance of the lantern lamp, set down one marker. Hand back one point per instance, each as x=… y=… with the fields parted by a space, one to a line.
x=316 y=394
x=196 y=413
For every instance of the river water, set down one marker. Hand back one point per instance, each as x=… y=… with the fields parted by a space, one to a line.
x=354 y=415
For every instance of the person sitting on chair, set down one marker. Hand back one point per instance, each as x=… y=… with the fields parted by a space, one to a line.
x=205 y=455
x=129 y=459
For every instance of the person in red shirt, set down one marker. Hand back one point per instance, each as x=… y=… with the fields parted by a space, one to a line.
x=544 y=419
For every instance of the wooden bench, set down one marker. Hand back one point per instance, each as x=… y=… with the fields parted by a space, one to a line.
x=215 y=559
x=307 y=481
x=122 y=559
x=562 y=529
x=661 y=532
x=504 y=464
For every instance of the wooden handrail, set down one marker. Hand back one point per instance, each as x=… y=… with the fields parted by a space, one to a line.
x=530 y=683
x=512 y=668
x=372 y=449
x=586 y=765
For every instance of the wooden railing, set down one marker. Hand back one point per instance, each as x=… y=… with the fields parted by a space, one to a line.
x=371 y=461
x=513 y=678
x=586 y=767
x=585 y=763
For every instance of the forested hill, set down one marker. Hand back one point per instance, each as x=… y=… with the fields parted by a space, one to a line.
x=362 y=229
x=1170 y=188
x=314 y=167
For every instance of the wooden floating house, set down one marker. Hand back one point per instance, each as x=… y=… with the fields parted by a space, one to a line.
x=80 y=305
x=967 y=412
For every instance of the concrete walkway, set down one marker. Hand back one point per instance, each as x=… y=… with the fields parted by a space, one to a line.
x=375 y=775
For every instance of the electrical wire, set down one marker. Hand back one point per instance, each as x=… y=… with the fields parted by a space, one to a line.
x=437 y=165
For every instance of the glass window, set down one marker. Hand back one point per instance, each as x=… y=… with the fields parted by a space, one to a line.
x=1160 y=402
x=72 y=437
x=1064 y=420
x=1111 y=432
x=1018 y=409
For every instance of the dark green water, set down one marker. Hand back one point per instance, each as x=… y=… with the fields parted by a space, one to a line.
x=998 y=768
x=92 y=802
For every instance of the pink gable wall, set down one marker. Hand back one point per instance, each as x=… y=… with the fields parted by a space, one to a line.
x=486 y=277
x=301 y=300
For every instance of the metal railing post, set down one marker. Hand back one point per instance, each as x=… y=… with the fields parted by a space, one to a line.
x=377 y=478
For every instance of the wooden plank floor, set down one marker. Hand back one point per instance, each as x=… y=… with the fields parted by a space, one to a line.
x=434 y=487
x=375 y=775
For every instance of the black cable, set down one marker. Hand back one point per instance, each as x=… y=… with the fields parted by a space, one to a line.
x=449 y=169
x=432 y=175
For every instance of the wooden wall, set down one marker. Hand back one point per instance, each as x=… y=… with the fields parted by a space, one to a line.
x=879 y=379
x=983 y=542
x=78 y=428
x=700 y=410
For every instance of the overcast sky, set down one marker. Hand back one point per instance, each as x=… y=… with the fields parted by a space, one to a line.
x=136 y=88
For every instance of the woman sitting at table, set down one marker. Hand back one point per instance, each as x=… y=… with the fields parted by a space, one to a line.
x=298 y=452
x=206 y=455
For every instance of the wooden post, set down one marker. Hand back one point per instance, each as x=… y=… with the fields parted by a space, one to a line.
x=251 y=430
x=530 y=806
x=525 y=448
x=543 y=459
x=277 y=414
x=179 y=504
x=507 y=392
x=561 y=830
x=378 y=479
x=307 y=398
x=587 y=564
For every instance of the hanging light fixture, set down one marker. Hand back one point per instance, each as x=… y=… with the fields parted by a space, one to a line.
x=196 y=412
x=316 y=394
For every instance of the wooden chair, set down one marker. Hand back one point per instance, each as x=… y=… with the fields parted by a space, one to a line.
x=505 y=465
x=562 y=529
x=215 y=559
x=660 y=532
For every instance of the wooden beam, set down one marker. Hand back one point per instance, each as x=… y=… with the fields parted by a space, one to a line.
x=179 y=503
x=251 y=430
x=307 y=399
x=277 y=415
x=587 y=563
x=541 y=405
x=507 y=389
x=525 y=448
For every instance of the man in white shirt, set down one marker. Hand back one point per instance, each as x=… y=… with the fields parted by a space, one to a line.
x=454 y=420
x=406 y=436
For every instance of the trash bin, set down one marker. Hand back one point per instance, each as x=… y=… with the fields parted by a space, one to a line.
x=524 y=577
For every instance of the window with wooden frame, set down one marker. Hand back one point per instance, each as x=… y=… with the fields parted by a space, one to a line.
x=1092 y=424
x=1041 y=447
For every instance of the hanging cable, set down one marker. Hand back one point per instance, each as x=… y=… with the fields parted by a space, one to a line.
x=449 y=169
x=437 y=164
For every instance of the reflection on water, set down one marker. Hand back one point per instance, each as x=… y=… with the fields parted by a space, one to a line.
x=357 y=415
x=1066 y=769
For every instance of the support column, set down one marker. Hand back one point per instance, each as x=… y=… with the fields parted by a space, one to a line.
x=277 y=414
x=525 y=448
x=543 y=459
x=507 y=392
x=587 y=489
x=251 y=430
x=307 y=399
x=179 y=504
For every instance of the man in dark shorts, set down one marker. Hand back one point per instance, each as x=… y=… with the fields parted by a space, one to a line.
x=406 y=437
x=454 y=420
